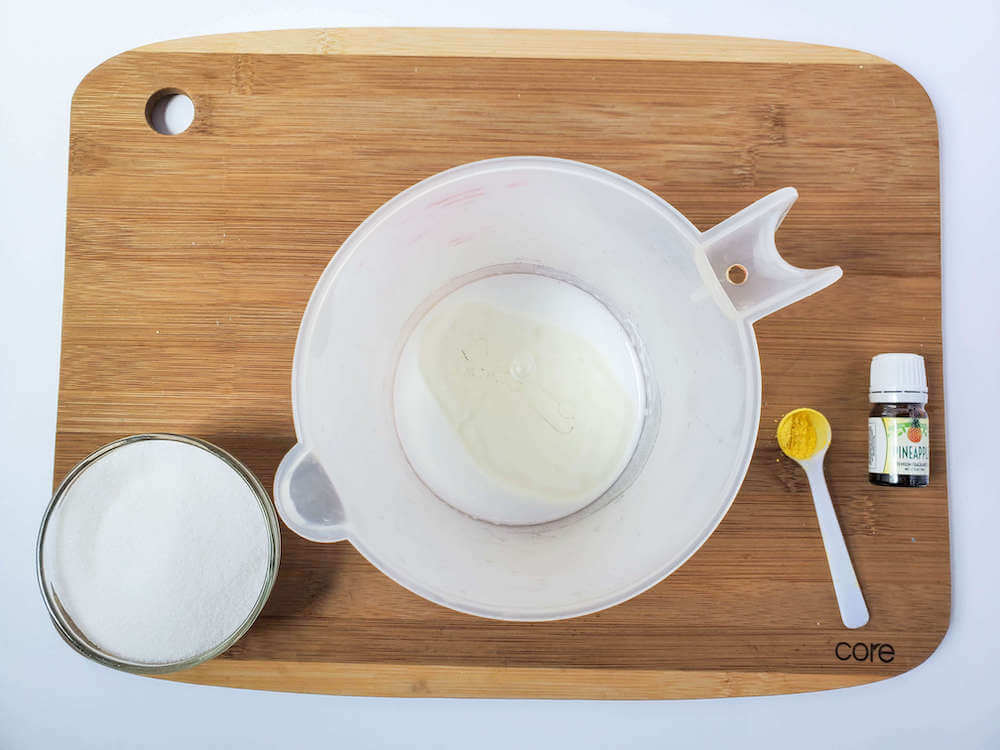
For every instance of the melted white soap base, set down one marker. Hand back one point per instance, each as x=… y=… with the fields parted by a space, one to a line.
x=519 y=398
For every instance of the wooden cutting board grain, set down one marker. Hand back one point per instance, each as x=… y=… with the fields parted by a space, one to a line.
x=189 y=260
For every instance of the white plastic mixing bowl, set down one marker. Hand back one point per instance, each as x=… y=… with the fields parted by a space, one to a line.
x=468 y=328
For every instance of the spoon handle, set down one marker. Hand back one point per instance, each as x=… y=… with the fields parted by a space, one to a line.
x=853 y=610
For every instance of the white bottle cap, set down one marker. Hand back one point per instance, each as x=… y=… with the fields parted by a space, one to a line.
x=898 y=379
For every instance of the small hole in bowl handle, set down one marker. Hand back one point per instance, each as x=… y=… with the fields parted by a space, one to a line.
x=737 y=274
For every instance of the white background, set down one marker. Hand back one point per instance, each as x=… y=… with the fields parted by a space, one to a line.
x=51 y=697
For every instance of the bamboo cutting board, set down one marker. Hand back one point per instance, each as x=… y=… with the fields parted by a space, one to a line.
x=189 y=260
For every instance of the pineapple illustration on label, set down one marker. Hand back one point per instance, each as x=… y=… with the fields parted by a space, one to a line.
x=899 y=446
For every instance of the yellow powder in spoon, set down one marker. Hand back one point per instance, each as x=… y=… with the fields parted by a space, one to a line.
x=797 y=436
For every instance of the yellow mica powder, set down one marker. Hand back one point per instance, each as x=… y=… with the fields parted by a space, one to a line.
x=797 y=436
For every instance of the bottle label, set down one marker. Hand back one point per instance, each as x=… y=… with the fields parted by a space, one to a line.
x=898 y=445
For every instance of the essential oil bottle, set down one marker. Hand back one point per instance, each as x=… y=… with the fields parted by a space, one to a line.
x=899 y=452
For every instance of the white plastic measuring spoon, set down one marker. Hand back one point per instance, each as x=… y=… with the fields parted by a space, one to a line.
x=853 y=610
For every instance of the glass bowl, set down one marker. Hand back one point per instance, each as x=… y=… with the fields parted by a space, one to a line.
x=65 y=625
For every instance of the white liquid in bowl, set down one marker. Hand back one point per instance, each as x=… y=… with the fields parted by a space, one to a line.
x=519 y=398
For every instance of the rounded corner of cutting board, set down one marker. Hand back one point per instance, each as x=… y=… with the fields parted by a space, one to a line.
x=939 y=634
x=909 y=80
x=91 y=79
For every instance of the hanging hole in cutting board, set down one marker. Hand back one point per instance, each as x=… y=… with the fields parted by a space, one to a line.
x=169 y=111
x=737 y=274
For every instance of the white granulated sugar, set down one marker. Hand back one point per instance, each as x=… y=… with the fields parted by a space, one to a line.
x=159 y=552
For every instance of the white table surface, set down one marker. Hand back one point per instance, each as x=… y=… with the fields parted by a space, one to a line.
x=50 y=697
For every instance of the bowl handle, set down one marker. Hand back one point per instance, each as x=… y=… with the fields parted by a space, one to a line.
x=306 y=500
x=740 y=257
